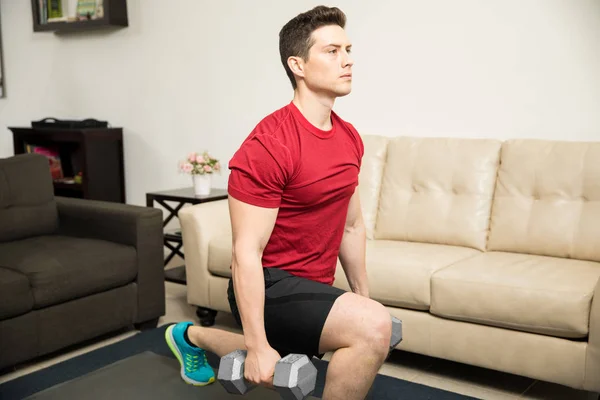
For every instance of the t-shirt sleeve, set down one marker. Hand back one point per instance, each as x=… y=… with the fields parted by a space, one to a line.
x=260 y=169
x=360 y=147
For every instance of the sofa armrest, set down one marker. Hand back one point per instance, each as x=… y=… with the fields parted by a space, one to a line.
x=592 y=363
x=140 y=227
x=201 y=223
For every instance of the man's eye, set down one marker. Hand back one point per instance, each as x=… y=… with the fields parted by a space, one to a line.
x=333 y=51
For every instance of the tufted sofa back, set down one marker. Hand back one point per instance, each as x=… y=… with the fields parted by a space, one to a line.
x=430 y=190
x=547 y=199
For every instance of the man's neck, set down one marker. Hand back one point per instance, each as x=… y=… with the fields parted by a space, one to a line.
x=317 y=110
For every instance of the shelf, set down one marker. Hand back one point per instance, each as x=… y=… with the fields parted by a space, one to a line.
x=70 y=186
x=76 y=26
x=96 y=153
x=115 y=16
x=69 y=135
x=173 y=235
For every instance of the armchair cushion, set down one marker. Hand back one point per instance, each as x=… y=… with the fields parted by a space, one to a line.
x=219 y=255
x=530 y=293
x=15 y=294
x=62 y=268
x=27 y=205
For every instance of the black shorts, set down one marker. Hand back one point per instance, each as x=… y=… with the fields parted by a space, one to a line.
x=295 y=311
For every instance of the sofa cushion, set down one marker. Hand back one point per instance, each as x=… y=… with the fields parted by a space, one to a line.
x=369 y=179
x=27 y=206
x=399 y=273
x=15 y=295
x=547 y=199
x=438 y=190
x=530 y=293
x=61 y=268
x=219 y=255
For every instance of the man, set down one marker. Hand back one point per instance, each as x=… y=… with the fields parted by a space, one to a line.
x=294 y=209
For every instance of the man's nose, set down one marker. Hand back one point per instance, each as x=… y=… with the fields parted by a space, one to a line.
x=348 y=60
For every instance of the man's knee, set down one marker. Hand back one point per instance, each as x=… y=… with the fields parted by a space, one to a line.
x=378 y=328
x=373 y=323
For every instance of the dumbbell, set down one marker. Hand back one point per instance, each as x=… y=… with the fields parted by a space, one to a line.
x=295 y=376
x=396 y=333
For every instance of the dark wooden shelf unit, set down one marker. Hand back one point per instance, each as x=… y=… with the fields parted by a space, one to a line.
x=95 y=152
x=115 y=16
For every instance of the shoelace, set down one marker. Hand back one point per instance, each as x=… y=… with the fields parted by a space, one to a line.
x=192 y=363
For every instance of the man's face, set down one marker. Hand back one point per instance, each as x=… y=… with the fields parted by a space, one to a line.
x=329 y=66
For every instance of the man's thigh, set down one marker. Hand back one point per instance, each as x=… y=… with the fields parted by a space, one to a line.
x=295 y=312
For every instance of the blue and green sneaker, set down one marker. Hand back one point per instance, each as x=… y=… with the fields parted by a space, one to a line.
x=195 y=369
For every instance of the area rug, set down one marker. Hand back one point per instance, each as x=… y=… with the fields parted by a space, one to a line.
x=102 y=368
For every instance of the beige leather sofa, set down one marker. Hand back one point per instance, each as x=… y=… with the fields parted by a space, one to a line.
x=487 y=250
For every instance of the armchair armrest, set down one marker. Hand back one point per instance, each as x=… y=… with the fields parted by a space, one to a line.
x=201 y=223
x=140 y=227
x=592 y=364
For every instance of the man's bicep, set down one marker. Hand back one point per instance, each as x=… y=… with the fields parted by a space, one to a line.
x=251 y=227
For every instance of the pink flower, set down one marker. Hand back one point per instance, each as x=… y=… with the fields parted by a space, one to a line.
x=207 y=168
x=191 y=157
x=199 y=159
x=187 y=167
x=217 y=166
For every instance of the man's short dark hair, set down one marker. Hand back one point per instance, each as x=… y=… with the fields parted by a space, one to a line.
x=295 y=38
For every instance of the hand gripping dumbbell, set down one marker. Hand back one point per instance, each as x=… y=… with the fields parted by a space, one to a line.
x=396 y=333
x=295 y=376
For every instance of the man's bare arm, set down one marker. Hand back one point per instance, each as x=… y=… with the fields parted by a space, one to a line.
x=352 y=249
x=251 y=228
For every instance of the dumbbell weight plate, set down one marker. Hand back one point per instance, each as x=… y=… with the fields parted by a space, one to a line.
x=295 y=377
x=396 y=332
x=231 y=372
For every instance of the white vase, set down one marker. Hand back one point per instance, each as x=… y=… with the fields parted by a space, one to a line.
x=71 y=8
x=201 y=184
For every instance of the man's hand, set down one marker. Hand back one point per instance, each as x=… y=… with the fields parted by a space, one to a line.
x=259 y=368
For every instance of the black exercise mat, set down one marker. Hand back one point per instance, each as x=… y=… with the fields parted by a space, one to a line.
x=146 y=376
x=384 y=387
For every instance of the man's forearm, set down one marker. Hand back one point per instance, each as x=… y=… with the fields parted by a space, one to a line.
x=352 y=258
x=249 y=289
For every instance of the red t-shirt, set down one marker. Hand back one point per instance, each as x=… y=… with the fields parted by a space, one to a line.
x=310 y=174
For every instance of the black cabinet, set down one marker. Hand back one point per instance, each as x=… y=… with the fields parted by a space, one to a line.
x=86 y=163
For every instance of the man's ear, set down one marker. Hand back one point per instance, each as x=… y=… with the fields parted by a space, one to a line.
x=296 y=65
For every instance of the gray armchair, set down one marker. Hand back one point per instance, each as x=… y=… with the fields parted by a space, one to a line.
x=71 y=269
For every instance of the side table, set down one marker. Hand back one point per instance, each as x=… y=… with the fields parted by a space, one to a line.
x=173 y=240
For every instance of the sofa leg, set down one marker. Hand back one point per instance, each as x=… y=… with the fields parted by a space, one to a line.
x=206 y=315
x=146 y=325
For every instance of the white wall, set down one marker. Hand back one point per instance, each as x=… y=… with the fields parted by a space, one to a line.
x=196 y=74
